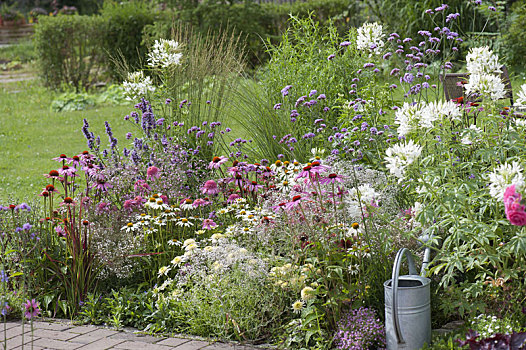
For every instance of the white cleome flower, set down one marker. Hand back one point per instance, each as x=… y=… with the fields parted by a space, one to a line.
x=437 y=110
x=471 y=135
x=165 y=53
x=481 y=60
x=487 y=85
x=137 y=86
x=521 y=96
x=370 y=38
x=408 y=118
x=400 y=156
x=504 y=176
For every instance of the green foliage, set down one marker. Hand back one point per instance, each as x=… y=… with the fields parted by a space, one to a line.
x=74 y=54
x=23 y=51
x=514 y=46
x=72 y=101
x=123 y=31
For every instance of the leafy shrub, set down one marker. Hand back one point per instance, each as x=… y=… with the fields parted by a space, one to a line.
x=514 y=46
x=123 y=30
x=71 y=101
x=69 y=50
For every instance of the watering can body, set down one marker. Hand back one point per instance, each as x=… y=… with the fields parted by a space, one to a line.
x=407 y=308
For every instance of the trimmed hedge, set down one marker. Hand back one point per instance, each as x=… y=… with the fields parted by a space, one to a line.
x=69 y=49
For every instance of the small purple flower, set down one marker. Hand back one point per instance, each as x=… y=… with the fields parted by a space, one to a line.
x=345 y=43
x=277 y=106
x=368 y=65
x=312 y=93
x=394 y=71
x=492 y=8
x=32 y=309
x=322 y=97
x=285 y=90
x=406 y=40
x=387 y=55
x=331 y=56
x=167 y=101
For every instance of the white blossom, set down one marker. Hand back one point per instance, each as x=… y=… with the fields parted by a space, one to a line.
x=487 y=85
x=370 y=38
x=481 y=60
x=521 y=96
x=408 y=118
x=503 y=177
x=400 y=156
x=165 y=53
x=137 y=86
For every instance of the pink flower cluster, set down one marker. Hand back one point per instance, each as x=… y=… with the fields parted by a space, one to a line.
x=515 y=210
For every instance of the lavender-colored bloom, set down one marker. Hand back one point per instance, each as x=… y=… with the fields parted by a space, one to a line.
x=387 y=55
x=406 y=40
x=429 y=11
x=326 y=109
x=492 y=8
x=312 y=93
x=300 y=100
x=441 y=8
x=128 y=136
x=309 y=135
x=277 y=106
x=368 y=65
x=452 y=16
x=331 y=56
x=394 y=71
x=285 y=90
x=393 y=86
x=408 y=78
x=345 y=43
x=4 y=278
x=322 y=97
x=27 y=226
x=160 y=121
x=23 y=206
x=167 y=101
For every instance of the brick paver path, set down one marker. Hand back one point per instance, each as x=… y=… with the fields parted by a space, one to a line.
x=64 y=335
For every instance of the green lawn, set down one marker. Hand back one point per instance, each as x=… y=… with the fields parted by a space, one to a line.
x=31 y=135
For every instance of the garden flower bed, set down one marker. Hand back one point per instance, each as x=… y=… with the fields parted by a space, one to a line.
x=271 y=212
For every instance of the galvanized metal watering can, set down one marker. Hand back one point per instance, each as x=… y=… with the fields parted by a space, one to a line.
x=407 y=305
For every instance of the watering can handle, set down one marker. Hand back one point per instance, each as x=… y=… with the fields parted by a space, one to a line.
x=396 y=273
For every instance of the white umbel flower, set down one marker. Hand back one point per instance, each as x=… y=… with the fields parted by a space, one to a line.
x=400 y=156
x=481 y=60
x=137 y=85
x=503 y=177
x=487 y=85
x=521 y=96
x=165 y=53
x=370 y=38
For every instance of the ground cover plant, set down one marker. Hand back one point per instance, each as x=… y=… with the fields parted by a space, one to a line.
x=284 y=230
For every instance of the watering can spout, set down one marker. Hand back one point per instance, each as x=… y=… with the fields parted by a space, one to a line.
x=425 y=239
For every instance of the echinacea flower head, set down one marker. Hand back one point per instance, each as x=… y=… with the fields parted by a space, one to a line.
x=32 y=309
x=308 y=293
x=515 y=210
x=217 y=162
x=233 y=197
x=210 y=187
x=67 y=171
x=297 y=306
x=331 y=179
x=153 y=172
x=370 y=37
x=209 y=224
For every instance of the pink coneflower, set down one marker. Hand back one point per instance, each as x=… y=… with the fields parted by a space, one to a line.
x=200 y=202
x=164 y=198
x=253 y=186
x=67 y=171
x=103 y=207
x=102 y=185
x=210 y=187
x=515 y=211
x=305 y=172
x=217 y=162
x=232 y=198
x=141 y=186
x=53 y=174
x=32 y=309
x=331 y=179
x=61 y=158
x=68 y=201
x=60 y=231
x=317 y=167
x=153 y=172
x=209 y=224
x=75 y=160
x=296 y=200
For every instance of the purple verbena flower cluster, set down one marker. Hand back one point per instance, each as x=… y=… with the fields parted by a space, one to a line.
x=359 y=329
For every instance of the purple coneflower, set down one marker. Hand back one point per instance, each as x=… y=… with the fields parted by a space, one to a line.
x=67 y=171
x=232 y=198
x=209 y=224
x=217 y=162
x=210 y=187
x=331 y=179
x=153 y=172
